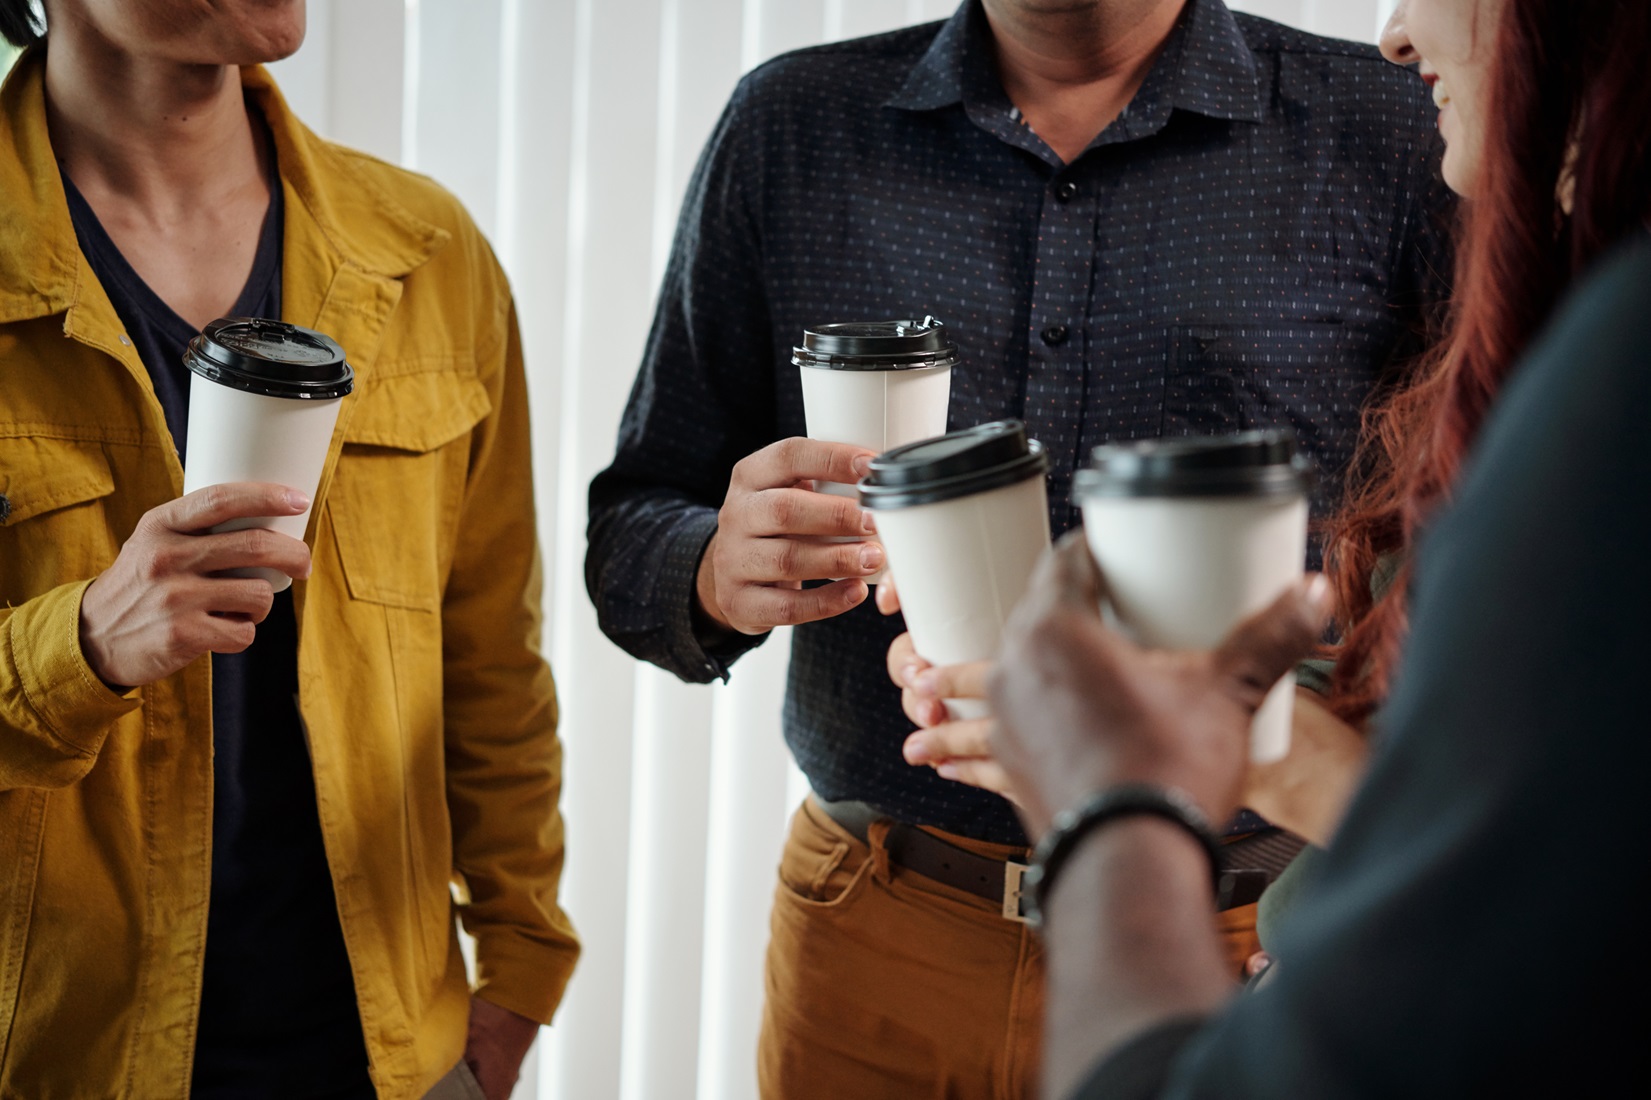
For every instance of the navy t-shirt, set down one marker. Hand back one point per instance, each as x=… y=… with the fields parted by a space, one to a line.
x=278 y=1010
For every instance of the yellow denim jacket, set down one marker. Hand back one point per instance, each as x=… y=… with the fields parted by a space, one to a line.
x=430 y=713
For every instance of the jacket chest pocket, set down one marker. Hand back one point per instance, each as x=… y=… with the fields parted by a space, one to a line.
x=53 y=529
x=395 y=496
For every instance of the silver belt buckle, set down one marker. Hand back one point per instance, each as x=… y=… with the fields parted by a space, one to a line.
x=1012 y=874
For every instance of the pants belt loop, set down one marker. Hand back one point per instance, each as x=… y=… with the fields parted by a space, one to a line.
x=877 y=836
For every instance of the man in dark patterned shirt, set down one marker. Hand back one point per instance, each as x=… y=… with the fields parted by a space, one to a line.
x=1137 y=218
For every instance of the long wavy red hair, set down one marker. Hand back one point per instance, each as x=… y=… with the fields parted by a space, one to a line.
x=1570 y=115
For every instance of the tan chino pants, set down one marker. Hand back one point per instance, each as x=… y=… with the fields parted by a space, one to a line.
x=885 y=985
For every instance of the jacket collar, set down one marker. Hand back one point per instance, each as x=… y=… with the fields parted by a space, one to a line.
x=39 y=258
x=351 y=224
x=1206 y=67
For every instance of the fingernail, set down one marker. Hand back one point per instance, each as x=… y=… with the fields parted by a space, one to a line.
x=297 y=500
x=925 y=683
x=934 y=713
x=868 y=523
x=1318 y=591
x=862 y=465
x=916 y=751
x=908 y=675
x=871 y=556
x=946 y=771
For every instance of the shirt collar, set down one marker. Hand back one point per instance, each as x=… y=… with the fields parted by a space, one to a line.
x=937 y=78
x=1216 y=73
x=1206 y=67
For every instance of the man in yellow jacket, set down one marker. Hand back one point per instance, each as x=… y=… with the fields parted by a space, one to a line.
x=236 y=827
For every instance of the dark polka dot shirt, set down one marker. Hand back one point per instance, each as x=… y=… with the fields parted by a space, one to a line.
x=1252 y=243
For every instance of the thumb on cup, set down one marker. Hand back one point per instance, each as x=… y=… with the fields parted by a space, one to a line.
x=1265 y=646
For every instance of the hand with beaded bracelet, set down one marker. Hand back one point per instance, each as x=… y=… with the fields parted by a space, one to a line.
x=1120 y=757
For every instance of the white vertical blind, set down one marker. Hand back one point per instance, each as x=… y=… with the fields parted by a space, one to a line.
x=570 y=128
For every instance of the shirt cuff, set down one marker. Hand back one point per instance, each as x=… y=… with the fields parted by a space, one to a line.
x=42 y=642
x=710 y=659
x=526 y=977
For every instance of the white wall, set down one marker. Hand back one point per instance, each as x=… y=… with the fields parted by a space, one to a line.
x=569 y=128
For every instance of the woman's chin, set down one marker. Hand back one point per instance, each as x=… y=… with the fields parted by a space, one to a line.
x=1460 y=170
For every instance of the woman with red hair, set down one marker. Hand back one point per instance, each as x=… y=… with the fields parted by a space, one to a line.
x=1549 y=145
x=1474 y=929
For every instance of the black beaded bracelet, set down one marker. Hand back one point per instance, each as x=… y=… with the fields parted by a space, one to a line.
x=1071 y=826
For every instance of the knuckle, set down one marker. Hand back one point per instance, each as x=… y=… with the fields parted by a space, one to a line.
x=785 y=558
x=790 y=452
x=833 y=599
x=233 y=637
x=768 y=607
x=260 y=597
x=746 y=611
x=790 y=613
x=266 y=544
x=152 y=522
x=174 y=602
x=215 y=498
x=179 y=638
x=846 y=559
x=242 y=544
x=153 y=560
x=728 y=518
x=780 y=509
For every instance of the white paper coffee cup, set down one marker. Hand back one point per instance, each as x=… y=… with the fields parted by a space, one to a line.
x=263 y=401
x=1194 y=535
x=964 y=519
x=875 y=384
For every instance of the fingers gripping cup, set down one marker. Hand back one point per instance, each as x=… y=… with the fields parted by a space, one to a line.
x=1192 y=536
x=263 y=401
x=964 y=519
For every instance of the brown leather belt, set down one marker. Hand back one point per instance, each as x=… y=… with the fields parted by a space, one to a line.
x=1252 y=861
x=996 y=880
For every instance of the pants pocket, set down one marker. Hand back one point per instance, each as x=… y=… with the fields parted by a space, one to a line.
x=821 y=866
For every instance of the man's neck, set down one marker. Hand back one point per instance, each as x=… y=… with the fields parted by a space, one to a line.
x=163 y=139
x=1072 y=66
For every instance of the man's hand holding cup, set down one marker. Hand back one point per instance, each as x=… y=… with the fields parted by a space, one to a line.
x=771 y=537
x=169 y=597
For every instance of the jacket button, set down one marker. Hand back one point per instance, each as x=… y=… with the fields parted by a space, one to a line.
x=1066 y=191
x=1055 y=335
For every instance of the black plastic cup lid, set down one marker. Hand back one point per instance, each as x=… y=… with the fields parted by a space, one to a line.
x=1261 y=463
x=961 y=464
x=876 y=345
x=271 y=358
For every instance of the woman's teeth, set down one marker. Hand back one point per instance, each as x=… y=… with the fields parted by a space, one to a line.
x=1441 y=98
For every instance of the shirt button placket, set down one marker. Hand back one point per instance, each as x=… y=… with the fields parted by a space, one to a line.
x=1055 y=348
